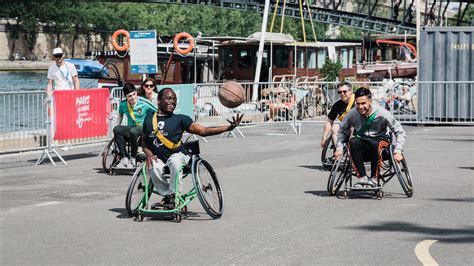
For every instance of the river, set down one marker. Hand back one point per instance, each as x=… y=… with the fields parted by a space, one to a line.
x=32 y=81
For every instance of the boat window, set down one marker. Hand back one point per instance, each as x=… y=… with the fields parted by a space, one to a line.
x=358 y=56
x=244 y=60
x=351 y=58
x=281 y=58
x=226 y=59
x=343 y=56
x=300 y=58
x=322 y=55
x=311 y=58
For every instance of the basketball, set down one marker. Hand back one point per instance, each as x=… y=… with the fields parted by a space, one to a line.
x=231 y=94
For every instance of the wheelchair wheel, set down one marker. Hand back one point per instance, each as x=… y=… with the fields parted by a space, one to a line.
x=339 y=172
x=109 y=156
x=327 y=155
x=207 y=188
x=401 y=170
x=136 y=191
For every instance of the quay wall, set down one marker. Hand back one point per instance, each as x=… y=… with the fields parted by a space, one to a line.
x=45 y=45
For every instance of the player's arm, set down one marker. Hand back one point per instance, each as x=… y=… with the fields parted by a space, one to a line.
x=343 y=134
x=150 y=157
x=196 y=128
x=326 y=131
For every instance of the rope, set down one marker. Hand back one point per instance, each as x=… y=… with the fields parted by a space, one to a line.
x=311 y=20
x=274 y=15
x=302 y=21
x=283 y=16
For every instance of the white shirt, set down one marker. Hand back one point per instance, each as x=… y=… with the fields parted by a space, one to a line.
x=62 y=76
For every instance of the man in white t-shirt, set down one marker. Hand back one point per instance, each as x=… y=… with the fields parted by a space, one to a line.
x=61 y=75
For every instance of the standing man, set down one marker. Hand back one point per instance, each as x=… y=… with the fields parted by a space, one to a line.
x=338 y=110
x=61 y=75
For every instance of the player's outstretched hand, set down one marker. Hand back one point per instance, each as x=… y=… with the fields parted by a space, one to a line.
x=235 y=121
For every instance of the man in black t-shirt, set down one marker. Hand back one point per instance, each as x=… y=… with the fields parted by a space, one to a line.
x=338 y=110
x=161 y=141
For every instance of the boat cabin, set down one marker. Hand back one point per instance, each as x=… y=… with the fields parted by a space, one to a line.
x=282 y=55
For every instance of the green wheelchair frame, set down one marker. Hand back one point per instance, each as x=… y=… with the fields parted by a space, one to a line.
x=342 y=173
x=206 y=188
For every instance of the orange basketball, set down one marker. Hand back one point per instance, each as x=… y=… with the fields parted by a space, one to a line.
x=231 y=94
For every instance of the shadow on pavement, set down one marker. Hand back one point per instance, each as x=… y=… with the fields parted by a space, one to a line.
x=466 y=167
x=66 y=158
x=471 y=200
x=446 y=235
x=317 y=167
x=121 y=211
x=319 y=193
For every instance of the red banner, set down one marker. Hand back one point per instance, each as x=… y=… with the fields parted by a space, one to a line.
x=81 y=113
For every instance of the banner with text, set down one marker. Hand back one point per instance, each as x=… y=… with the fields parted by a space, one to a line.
x=81 y=113
x=184 y=95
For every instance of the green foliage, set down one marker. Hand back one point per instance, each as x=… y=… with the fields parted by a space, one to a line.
x=348 y=33
x=331 y=70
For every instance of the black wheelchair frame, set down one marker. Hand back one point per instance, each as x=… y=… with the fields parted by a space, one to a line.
x=342 y=173
x=110 y=157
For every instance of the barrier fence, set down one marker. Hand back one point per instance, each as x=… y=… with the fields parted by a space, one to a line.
x=24 y=119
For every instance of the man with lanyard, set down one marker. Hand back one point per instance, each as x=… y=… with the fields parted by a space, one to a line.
x=161 y=142
x=339 y=110
x=371 y=123
x=61 y=75
x=135 y=108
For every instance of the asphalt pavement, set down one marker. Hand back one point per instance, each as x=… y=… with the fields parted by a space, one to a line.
x=277 y=210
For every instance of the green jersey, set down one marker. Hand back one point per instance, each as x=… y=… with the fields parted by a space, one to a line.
x=140 y=109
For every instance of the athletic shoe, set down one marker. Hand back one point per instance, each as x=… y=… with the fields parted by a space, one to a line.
x=133 y=162
x=365 y=181
x=124 y=163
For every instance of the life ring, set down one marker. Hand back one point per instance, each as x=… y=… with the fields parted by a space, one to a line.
x=126 y=45
x=179 y=37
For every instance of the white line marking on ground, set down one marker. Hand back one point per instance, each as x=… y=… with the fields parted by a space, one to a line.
x=422 y=252
x=47 y=203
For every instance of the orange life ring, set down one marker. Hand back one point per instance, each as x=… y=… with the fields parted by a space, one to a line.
x=179 y=37
x=126 y=45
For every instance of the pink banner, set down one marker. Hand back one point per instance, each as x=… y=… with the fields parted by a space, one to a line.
x=81 y=113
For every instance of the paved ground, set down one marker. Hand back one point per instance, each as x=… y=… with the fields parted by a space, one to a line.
x=277 y=209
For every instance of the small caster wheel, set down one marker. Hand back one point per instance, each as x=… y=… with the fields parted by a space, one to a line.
x=139 y=217
x=178 y=217
x=185 y=210
x=344 y=195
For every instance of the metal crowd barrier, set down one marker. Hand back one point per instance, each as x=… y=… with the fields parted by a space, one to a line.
x=23 y=121
x=24 y=117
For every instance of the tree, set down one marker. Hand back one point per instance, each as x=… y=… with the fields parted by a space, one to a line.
x=330 y=70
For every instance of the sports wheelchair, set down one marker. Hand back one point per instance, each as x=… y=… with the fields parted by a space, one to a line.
x=205 y=186
x=110 y=157
x=342 y=173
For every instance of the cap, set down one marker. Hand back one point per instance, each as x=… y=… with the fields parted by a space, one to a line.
x=57 y=51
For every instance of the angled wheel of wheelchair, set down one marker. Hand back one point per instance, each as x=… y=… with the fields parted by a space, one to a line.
x=136 y=191
x=109 y=156
x=327 y=155
x=403 y=175
x=207 y=188
x=340 y=171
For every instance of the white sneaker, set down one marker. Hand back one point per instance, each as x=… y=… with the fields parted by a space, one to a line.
x=133 y=162
x=365 y=181
x=124 y=163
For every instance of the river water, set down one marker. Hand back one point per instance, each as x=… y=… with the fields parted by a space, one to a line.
x=32 y=81
x=25 y=110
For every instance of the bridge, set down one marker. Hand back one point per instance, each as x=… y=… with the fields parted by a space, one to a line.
x=377 y=16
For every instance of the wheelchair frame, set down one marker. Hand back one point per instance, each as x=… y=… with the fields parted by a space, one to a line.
x=200 y=189
x=342 y=173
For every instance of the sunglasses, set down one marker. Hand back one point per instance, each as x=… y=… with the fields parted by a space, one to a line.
x=343 y=91
x=58 y=55
x=149 y=86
